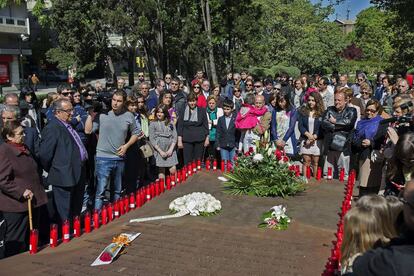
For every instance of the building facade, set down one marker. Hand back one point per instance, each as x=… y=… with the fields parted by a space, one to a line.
x=14 y=46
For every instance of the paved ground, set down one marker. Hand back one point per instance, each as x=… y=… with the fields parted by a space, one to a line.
x=226 y=244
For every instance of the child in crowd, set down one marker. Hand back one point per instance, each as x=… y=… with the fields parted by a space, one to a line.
x=226 y=132
x=163 y=137
x=381 y=207
x=362 y=231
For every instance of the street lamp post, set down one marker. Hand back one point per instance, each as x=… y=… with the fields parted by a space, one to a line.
x=22 y=38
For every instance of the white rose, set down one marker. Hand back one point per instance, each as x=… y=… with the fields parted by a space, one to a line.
x=258 y=158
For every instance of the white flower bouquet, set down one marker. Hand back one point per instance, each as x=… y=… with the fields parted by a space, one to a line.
x=197 y=204
x=275 y=218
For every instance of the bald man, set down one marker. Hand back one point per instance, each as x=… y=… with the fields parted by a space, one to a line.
x=396 y=258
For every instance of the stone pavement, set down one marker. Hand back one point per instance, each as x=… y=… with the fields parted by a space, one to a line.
x=228 y=243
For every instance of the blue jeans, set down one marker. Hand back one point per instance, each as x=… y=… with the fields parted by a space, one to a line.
x=228 y=154
x=106 y=170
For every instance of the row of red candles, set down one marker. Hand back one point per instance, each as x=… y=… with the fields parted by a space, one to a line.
x=332 y=266
x=142 y=195
x=121 y=206
x=296 y=169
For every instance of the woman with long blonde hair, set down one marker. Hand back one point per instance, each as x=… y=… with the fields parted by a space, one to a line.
x=362 y=231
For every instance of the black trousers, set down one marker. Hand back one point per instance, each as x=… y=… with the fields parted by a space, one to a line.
x=15 y=233
x=68 y=201
x=193 y=151
x=2 y=234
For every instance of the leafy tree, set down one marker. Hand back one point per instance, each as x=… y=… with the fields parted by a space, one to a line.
x=297 y=33
x=373 y=34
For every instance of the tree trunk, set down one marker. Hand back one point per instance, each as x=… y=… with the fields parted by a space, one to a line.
x=205 y=7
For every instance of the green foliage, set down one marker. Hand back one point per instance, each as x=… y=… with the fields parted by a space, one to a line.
x=373 y=36
x=4 y=3
x=303 y=38
x=265 y=178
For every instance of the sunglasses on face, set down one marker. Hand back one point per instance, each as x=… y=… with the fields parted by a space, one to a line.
x=249 y=84
x=198 y=87
x=360 y=79
x=66 y=93
x=370 y=110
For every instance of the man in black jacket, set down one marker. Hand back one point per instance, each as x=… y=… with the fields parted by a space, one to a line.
x=62 y=155
x=397 y=257
x=338 y=123
x=179 y=98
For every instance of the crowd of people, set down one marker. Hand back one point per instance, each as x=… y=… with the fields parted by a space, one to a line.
x=92 y=144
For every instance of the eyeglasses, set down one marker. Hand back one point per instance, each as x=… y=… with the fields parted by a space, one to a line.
x=370 y=110
x=360 y=79
x=249 y=84
x=365 y=92
x=257 y=86
x=67 y=93
x=68 y=111
x=174 y=84
x=236 y=90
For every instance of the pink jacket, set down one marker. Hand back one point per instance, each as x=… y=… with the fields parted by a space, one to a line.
x=247 y=118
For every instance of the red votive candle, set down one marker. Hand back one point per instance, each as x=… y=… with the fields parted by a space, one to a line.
x=178 y=177
x=104 y=216
x=95 y=219
x=342 y=174
x=215 y=165
x=222 y=166
x=189 y=170
x=110 y=212
x=138 y=198
x=121 y=206
x=131 y=201
x=308 y=172
x=147 y=193
x=329 y=173
x=116 y=209
x=183 y=175
x=319 y=174
x=198 y=165
x=34 y=238
x=173 y=182
x=66 y=231
x=169 y=182
x=162 y=185
x=76 y=227
x=194 y=166
x=157 y=187
x=87 y=222
x=126 y=203
x=152 y=189
x=53 y=235
x=208 y=164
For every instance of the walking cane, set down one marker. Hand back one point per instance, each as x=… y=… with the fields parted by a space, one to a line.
x=29 y=203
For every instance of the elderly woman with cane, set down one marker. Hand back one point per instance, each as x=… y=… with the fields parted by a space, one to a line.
x=20 y=188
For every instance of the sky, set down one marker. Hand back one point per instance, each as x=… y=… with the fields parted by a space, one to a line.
x=355 y=7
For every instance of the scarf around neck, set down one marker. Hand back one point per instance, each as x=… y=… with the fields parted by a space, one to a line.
x=367 y=128
x=190 y=116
